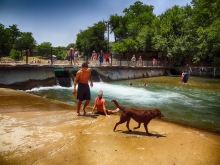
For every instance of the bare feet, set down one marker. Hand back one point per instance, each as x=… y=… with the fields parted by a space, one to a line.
x=84 y=111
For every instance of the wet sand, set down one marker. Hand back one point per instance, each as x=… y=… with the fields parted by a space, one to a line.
x=39 y=131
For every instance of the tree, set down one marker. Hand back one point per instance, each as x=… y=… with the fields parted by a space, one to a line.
x=15 y=33
x=127 y=44
x=92 y=38
x=44 y=49
x=24 y=42
x=206 y=21
x=135 y=25
x=138 y=16
x=173 y=32
x=8 y=37
x=60 y=52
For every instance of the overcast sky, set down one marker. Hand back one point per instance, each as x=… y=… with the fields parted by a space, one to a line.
x=59 y=21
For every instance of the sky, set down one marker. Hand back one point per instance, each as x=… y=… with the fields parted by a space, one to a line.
x=59 y=21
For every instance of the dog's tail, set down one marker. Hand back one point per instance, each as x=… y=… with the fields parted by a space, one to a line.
x=117 y=105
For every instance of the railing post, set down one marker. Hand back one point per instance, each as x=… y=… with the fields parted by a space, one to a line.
x=26 y=51
x=51 y=60
x=111 y=58
x=71 y=56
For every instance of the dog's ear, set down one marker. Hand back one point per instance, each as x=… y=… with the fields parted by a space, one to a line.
x=155 y=113
x=158 y=113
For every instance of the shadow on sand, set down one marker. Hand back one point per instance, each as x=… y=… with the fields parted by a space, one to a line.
x=139 y=134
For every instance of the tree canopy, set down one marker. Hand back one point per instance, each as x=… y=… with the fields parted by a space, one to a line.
x=191 y=31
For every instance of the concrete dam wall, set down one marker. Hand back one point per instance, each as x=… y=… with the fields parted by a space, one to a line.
x=28 y=77
x=24 y=78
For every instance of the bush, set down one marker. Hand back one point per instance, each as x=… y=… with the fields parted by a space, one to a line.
x=16 y=55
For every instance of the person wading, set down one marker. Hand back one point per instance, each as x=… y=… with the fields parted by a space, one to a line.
x=83 y=92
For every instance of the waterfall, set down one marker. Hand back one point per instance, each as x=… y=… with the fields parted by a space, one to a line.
x=168 y=73
x=57 y=81
x=190 y=70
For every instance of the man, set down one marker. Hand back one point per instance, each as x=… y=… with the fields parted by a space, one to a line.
x=100 y=105
x=71 y=55
x=184 y=77
x=76 y=56
x=83 y=93
x=101 y=56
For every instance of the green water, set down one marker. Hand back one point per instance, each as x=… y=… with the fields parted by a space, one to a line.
x=196 y=104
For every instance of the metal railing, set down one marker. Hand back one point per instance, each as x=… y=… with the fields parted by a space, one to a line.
x=66 y=63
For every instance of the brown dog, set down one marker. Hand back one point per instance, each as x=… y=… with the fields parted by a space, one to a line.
x=140 y=116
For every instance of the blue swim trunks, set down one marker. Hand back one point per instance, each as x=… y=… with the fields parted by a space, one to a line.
x=83 y=92
x=100 y=59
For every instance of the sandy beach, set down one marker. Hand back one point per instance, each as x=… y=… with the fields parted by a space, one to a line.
x=39 y=131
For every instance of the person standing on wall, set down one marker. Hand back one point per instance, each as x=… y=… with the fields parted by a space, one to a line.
x=154 y=61
x=67 y=57
x=133 y=60
x=76 y=56
x=107 y=56
x=140 y=61
x=83 y=93
x=94 y=57
x=101 y=56
x=71 y=55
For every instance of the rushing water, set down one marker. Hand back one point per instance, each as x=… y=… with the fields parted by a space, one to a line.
x=196 y=104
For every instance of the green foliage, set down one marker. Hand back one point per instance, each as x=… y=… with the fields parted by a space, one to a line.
x=25 y=41
x=191 y=32
x=60 y=52
x=92 y=38
x=16 y=55
x=44 y=49
x=8 y=37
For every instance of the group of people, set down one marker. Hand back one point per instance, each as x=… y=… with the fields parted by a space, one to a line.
x=72 y=56
x=133 y=61
x=83 y=76
x=101 y=56
x=34 y=61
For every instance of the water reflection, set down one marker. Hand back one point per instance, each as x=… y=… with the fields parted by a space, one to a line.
x=196 y=105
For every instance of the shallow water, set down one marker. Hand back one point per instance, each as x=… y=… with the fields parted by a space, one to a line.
x=196 y=105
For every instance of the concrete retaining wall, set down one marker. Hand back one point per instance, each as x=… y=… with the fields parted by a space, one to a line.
x=199 y=71
x=122 y=73
x=26 y=77
x=29 y=77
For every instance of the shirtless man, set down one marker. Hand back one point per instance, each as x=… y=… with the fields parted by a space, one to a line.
x=100 y=105
x=83 y=93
